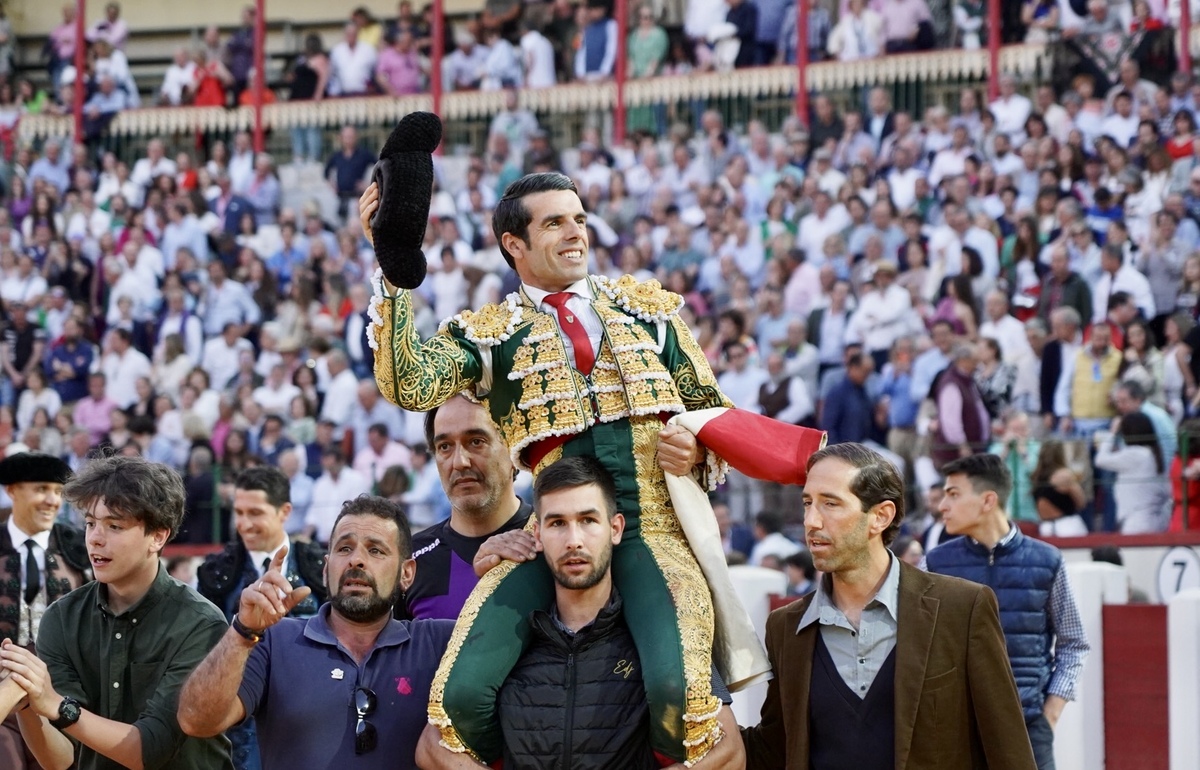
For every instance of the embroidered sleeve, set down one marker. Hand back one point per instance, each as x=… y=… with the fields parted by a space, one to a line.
x=698 y=386
x=412 y=374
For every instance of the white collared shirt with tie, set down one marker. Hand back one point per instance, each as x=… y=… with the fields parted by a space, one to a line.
x=27 y=627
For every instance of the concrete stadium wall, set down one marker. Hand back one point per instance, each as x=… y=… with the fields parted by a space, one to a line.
x=30 y=18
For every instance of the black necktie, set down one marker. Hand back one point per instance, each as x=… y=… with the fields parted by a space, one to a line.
x=33 y=576
x=266 y=565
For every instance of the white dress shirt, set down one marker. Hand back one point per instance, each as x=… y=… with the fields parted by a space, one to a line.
x=327 y=497
x=41 y=543
x=1010 y=333
x=257 y=558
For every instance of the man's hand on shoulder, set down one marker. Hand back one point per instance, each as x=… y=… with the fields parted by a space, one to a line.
x=516 y=545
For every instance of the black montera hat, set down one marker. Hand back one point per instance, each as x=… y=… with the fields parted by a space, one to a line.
x=33 y=466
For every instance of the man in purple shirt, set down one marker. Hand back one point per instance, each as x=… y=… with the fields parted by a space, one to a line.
x=398 y=71
x=477 y=474
x=93 y=412
x=901 y=20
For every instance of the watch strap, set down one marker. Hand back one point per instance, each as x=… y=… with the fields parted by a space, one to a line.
x=246 y=633
x=68 y=714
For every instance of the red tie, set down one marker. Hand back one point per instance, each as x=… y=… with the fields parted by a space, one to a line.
x=585 y=359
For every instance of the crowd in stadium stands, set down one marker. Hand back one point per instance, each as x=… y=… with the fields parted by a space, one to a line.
x=1019 y=276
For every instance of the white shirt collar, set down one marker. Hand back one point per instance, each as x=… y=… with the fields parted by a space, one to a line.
x=18 y=537
x=258 y=556
x=582 y=288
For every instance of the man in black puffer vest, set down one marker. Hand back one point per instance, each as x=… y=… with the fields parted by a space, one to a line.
x=576 y=698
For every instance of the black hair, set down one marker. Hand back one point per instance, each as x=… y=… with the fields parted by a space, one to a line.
x=151 y=493
x=511 y=215
x=1137 y=430
x=877 y=480
x=770 y=521
x=572 y=472
x=269 y=480
x=380 y=507
x=986 y=472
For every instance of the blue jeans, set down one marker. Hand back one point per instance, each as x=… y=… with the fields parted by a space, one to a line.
x=306 y=142
x=1041 y=737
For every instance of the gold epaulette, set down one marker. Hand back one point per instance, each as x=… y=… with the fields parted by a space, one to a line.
x=647 y=300
x=491 y=324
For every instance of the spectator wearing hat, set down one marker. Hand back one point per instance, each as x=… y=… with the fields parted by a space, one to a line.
x=40 y=561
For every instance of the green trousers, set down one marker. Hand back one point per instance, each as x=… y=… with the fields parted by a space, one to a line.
x=667 y=606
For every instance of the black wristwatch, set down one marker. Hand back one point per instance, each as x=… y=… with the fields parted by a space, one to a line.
x=68 y=714
x=249 y=634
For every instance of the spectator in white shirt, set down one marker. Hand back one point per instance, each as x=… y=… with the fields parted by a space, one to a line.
x=1122 y=125
x=902 y=179
x=123 y=365
x=684 y=177
x=462 y=69
x=502 y=67
x=858 y=33
x=276 y=394
x=1002 y=327
x=883 y=315
x=449 y=285
x=241 y=163
x=537 y=55
x=1011 y=110
x=178 y=79
x=25 y=285
x=381 y=453
x=1117 y=276
x=336 y=485
x=222 y=355
x=740 y=381
x=351 y=63
x=825 y=220
x=952 y=160
x=341 y=394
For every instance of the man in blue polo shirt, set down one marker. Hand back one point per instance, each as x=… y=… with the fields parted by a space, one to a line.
x=350 y=683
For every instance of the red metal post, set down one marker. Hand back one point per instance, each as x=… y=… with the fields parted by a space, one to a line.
x=802 y=61
x=622 y=11
x=439 y=53
x=80 y=63
x=1185 y=36
x=993 y=43
x=260 y=76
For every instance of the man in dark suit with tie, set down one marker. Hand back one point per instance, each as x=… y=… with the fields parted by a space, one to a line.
x=883 y=666
x=261 y=506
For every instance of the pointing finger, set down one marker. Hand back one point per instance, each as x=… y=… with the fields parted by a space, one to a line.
x=278 y=560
